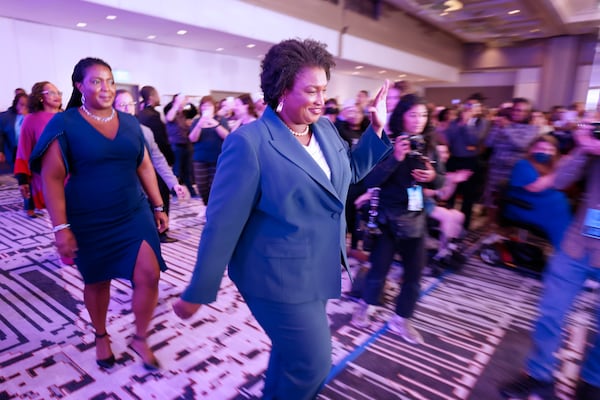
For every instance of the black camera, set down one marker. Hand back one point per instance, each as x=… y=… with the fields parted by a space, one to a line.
x=417 y=145
x=369 y=228
x=596 y=130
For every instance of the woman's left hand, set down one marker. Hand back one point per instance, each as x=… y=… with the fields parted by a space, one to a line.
x=378 y=110
x=459 y=176
x=162 y=221
x=181 y=191
x=424 y=175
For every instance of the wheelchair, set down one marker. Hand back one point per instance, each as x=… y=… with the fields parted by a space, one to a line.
x=454 y=258
x=525 y=252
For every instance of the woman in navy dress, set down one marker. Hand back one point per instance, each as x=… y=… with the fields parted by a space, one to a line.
x=100 y=215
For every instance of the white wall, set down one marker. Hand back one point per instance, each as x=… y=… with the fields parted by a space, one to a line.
x=343 y=87
x=33 y=52
x=583 y=82
x=480 y=79
x=527 y=84
x=357 y=49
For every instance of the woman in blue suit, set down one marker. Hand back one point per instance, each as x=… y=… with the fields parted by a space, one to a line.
x=276 y=216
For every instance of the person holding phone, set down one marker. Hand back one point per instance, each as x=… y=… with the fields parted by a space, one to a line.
x=207 y=135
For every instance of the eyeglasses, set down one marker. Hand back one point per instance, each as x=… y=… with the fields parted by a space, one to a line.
x=52 y=93
x=123 y=105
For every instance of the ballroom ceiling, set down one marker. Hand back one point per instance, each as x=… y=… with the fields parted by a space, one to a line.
x=504 y=22
x=471 y=21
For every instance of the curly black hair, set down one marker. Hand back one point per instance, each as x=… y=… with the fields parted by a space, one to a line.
x=284 y=60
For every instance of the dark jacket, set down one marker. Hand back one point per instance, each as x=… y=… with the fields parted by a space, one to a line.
x=151 y=118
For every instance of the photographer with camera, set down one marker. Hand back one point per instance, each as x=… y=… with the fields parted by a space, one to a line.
x=577 y=259
x=401 y=217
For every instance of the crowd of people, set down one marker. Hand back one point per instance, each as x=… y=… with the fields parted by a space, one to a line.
x=287 y=180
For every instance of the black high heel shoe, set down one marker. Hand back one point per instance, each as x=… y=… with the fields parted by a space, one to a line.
x=108 y=362
x=151 y=365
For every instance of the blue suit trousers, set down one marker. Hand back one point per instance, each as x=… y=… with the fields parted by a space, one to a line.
x=300 y=357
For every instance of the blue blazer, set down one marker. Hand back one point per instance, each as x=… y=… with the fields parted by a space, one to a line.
x=275 y=218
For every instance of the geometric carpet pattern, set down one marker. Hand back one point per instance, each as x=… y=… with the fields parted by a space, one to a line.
x=475 y=323
x=476 y=327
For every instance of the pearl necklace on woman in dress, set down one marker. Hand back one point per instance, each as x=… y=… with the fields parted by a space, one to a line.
x=97 y=118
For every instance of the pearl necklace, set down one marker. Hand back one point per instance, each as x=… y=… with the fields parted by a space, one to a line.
x=97 y=118
x=303 y=133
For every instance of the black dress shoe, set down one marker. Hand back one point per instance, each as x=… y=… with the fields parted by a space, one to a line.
x=108 y=362
x=525 y=386
x=150 y=365
x=167 y=239
x=586 y=391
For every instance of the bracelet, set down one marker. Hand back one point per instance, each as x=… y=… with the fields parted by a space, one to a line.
x=160 y=208
x=60 y=227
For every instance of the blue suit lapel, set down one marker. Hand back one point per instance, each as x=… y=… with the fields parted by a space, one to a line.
x=285 y=144
x=331 y=146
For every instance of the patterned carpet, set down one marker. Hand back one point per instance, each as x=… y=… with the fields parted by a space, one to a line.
x=475 y=324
